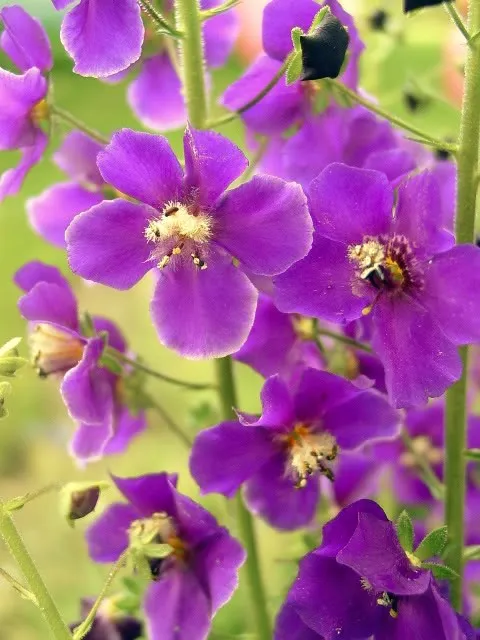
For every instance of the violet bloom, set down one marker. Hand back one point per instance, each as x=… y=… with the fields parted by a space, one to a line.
x=51 y=212
x=199 y=575
x=198 y=238
x=286 y=104
x=109 y=624
x=280 y=456
x=397 y=265
x=23 y=104
x=360 y=583
x=92 y=394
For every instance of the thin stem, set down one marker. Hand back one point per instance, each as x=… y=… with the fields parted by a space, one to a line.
x=192 y=386
x=171 y=424
x=192 y=61
x=17 y=548
x=472 y=454
x=371 y=106
x=255 y=100
x=429 y=477
x=451 y=9
x=157 y=17
x=20 y=501
x=82 y=630
x=70 y=119
x=222 y=8
x=456 y=411
x=246 y=524
x=339 y=337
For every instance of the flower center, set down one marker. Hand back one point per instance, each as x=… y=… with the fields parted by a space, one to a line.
x=304 y=327
x=387 y=599
x=53 y=350
x=178 y=231
x=308 y=452
x=40 y=112
x=424 y=448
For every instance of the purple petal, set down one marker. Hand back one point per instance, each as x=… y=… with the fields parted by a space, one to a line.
x=452 y=283
x=349 y=203
x=89 y=441
x=77 y=157
x=271 y=494
x=279 y=18
x=86 y=389
x=287 y=103
x=149 y=494
x=103 y=36
x=25 y=40
x=50 y=302
x=18 y=95
x=219 y=34
x=420 y=361
x=320 y=392
x=156 y=95
x=177 y=607
x=265 y=224
x=225 y=456
x=143 y=166
x=329 y=598
x=34 y=272
x=320 y=285
x=107 y=537
x=367 y=417
x=214 y=308
x=51 y=212
x=12 y=180
x=216 y=564
x=375 y=553
x=394 y=163
x=126 y=428
x=289 y=626
x=212 y=163
x=61 y=4
x=106 y=244
x=417 y=215
x=356 y=477
x=277 y=405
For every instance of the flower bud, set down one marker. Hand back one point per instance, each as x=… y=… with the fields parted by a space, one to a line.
x=324 y=49
x=10 y=361
x=411 y=5
x=78 y=499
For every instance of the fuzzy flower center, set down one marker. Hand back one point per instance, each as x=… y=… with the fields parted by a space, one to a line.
x=309 y=452
x=53 y=350
x=389 y=600
x=421 y=447
x=40 y=112
x=178 y=232
x=304 y=327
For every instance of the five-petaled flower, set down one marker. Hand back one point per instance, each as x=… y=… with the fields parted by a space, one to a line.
x=195 y=579
x=199 y=239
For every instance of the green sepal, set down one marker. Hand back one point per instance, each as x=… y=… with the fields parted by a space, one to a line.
x=5 y=389
x=108 y=361
x=158 y=551
x=86 y=325
x=433 y=544
x=440 y=571
x=294 y=69
x=318 y=18
x=296 y=33
x=404 y=529
x=10 y=360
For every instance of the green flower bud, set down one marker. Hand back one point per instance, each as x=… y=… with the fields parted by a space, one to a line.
x=78 y=499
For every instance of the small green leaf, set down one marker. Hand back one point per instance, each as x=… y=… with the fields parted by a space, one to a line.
x=440 y=571
x=294 y=69
x=433 y=544
x=111 y=363
x=318 y=19
x=296 y=33
x=86 y=325
x=404 y=528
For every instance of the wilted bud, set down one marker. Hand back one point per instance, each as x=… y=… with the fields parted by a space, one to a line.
x=324 y=49
x=378 y=20
x=411 y=5
x=78 y=499
x=10 y=361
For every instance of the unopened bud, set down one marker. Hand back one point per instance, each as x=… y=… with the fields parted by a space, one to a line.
x=10 y=361
x=78 y=499
x=324 y=49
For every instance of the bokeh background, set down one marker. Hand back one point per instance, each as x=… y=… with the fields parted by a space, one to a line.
x=418 y=55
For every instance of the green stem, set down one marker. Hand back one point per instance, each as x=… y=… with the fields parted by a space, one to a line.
x=451 y=9
x=456 y=412
x=339 y=337
x=20 y=501
x=74 y=122
x=192 y=61
x=159 y=20
x=17 y=548
x=206 y=14
x=173 y=426
x=245 y=522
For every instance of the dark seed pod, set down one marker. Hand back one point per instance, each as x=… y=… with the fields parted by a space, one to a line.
x=411 y=5
x=323 y=51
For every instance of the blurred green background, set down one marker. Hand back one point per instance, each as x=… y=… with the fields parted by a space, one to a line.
x=33 y=438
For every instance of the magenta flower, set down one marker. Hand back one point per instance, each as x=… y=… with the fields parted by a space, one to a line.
x=199 y=575
x=23 y=106
x=397 y=265
x=281 y=455
x=52 y=211
x=360 y=583
x=197 y=237
x=91 y=393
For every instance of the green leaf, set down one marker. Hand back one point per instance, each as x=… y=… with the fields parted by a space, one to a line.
x=296 y=33
x=440 y=571
x=433 y=544
x=404 y=528
x=318 y=19
x=294 y=69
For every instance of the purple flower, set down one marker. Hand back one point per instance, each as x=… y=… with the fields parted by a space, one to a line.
x=397 y=265
x=197 y=237
x=108 y=624
x=198 y=576
x=23 y=105
x=280 y=456
x=93 y=395
x=360 y=583
x=90 y=34
x=52 y=211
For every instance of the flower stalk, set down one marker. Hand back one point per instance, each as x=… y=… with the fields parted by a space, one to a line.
x=456 y=409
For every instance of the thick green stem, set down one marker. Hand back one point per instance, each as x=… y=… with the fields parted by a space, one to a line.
x=192 y=61
x=15 y=544
x=244 y=519
x=456 y=412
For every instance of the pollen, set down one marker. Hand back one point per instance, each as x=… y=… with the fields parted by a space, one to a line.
x=176 y=222
x=308 y=453
x=40 y=112
x=369 y=256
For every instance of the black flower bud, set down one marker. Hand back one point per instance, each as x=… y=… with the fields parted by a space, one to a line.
x=411 y=5
x=78 y=499
x=323 y=51
x=378 y=20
